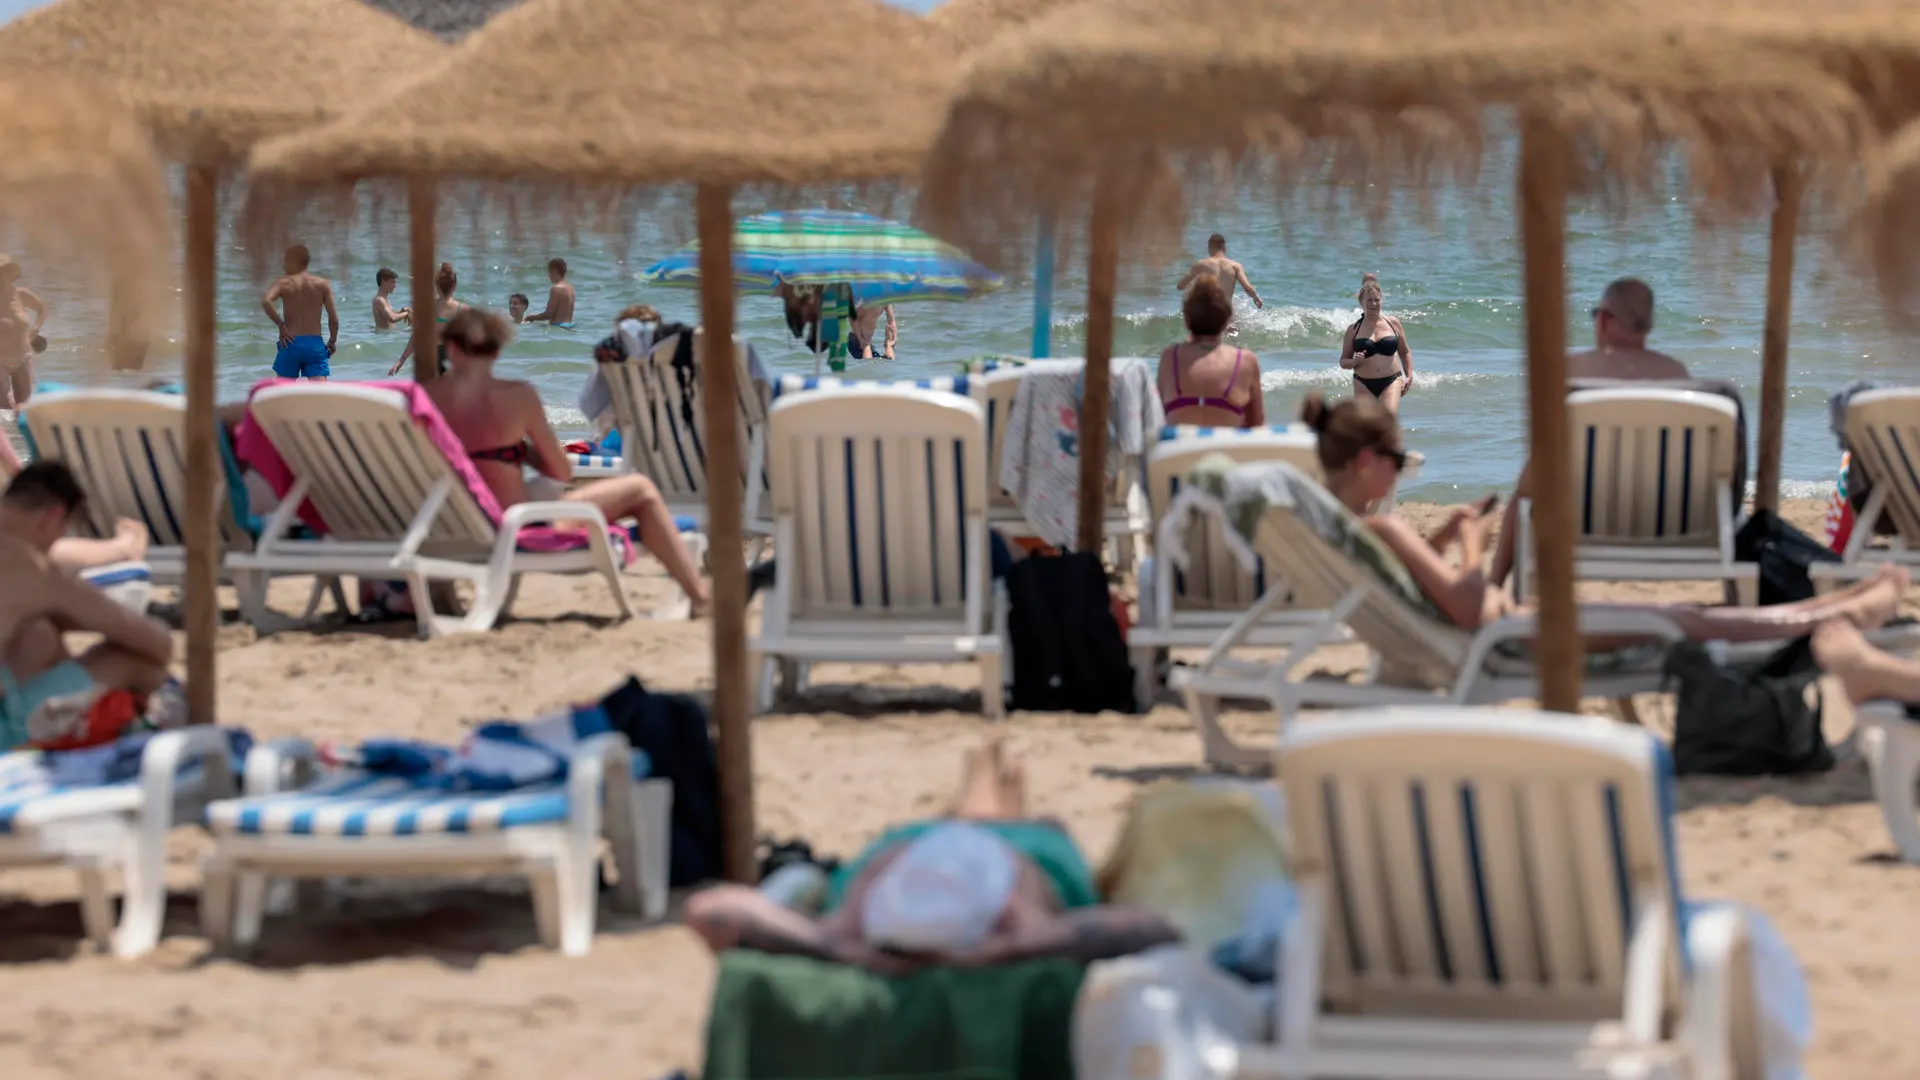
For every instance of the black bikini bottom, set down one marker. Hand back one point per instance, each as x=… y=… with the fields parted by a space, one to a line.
x=1377 y=387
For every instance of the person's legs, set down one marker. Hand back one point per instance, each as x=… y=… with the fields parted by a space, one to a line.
x=1867 y=673
x=635 y=497
x=1866 y=605
x=20 y=382
x=1390 y=397
x=984 y=792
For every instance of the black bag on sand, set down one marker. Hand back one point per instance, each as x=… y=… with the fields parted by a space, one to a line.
x=1068 y=655
x=672 y=729
x=1747 y=719
x=1784 y=554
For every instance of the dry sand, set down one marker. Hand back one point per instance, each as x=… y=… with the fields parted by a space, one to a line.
x=447 y=981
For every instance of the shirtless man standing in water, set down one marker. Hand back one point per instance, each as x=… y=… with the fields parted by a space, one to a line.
x=559 y=309
x=1222 y=269
x=302 y=296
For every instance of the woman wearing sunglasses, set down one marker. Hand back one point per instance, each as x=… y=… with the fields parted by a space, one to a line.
x=504 y=428
x=1361 y=454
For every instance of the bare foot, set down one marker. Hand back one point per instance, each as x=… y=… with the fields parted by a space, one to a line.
x=1842 y=652
x=1013 y=787
x=1880 y=602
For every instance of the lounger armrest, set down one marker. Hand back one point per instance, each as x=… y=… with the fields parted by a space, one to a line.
x=1720 y=954
x=523 y=515
x=281 y=765
x=1593 y=622
x=160 y=766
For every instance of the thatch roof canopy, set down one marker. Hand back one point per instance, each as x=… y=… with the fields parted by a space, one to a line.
x=211 y=77
x=637 y=92
x=78 y=178
x=1888 y=222
x=969 y=25
x=1375 y=95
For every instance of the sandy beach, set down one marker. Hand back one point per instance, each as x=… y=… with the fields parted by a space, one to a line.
x=446 y=980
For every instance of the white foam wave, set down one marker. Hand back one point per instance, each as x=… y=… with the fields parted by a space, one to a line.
x=566 y=417
x=1294 y=321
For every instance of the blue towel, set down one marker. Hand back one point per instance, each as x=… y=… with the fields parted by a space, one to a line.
x=496 y=756
x=119 y=761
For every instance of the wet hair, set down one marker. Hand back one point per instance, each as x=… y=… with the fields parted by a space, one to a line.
x=1368 y=283
x=479 y=333
x=1206 y=308
x=1347 y=427
x=557 y=266
x=522 y=297
x=385 y=275
x=1631 y=301
x=643 y=312
x=1216 y=243
x=446 y=280
x=299 y=253
x=45 y=484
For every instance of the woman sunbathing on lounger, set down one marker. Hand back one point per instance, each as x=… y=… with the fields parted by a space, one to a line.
x=504 y=428
x=987 y=884
x=1362 y=455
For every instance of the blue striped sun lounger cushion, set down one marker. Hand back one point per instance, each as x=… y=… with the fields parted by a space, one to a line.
x=24 y=782
x=1188 y=431
x=794 y=384
x=598 y=464
x=364 y=804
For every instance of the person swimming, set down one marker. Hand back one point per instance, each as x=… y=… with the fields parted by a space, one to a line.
x=303 y=354
x=560 y=297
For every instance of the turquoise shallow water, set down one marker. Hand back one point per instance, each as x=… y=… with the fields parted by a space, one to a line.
x=1454 y=280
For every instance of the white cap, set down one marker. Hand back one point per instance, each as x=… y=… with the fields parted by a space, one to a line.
x=943 y=894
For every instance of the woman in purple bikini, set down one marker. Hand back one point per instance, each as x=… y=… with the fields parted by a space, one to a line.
x=1202 y=382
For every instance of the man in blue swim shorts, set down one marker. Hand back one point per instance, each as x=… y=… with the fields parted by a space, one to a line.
x=304 y=354
x=985 y=884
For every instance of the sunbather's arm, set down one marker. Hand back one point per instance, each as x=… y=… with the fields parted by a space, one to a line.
x=1083 y=935
x=1347 y=359
x=32 y=302
x=549 y=457
x=9 y=461
x=79 y=606
x=1460 y=594
x=1257 y=400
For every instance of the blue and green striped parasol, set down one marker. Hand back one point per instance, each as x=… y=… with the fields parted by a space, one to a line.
x=885 y=261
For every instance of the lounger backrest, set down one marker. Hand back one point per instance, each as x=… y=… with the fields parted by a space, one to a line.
x=663 y=437
x=1214 y=579
x=369 y=467
x=1479 y=863
x=885 y=493
x=1883 y=431
x=128 y=449
x=1652 y=466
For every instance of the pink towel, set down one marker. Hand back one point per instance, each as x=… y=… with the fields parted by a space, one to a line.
x=257 y=452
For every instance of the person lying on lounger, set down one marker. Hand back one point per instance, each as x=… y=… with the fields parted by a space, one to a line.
x=985 y=884
x=46 y=693
x=1361 y=454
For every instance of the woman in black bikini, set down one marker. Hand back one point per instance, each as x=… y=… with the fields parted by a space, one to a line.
x=504 y=427
x=1376 y=350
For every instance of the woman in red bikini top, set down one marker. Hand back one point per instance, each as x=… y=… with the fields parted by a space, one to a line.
x=1204 y=383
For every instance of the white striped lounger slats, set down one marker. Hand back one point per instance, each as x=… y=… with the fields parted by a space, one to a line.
x=358 y=804
x=1883 y=434
x=878 y=497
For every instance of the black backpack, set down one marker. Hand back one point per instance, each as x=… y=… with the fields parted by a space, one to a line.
x=1068 y=655
x=1754 y=719
x=1784 y=554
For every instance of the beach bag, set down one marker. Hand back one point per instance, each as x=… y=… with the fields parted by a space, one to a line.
x=1068 y=652
x=1757 y=719
x=1784 y=555
x=672 y=730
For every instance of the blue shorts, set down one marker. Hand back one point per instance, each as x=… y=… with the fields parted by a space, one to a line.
x=305 y=357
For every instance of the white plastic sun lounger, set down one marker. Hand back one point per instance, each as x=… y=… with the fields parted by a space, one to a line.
x=1883 y=433
x=395 y=507
x=1890 y=741
x=128 y=450
x=879 y=503
x=353 y=823
x=102 y=829
x=660 y=441
x=1653 y=472
x=1420 y=659
x=1492 y=894
x=1190 y=606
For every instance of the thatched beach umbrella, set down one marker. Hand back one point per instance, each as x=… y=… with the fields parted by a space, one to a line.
x=78 y=172
x=1089 y=106
x=628 y=93
x=208 y=79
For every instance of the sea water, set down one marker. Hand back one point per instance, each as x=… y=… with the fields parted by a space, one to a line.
x=1453 y=278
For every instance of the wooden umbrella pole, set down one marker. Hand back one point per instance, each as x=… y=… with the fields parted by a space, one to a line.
x=719 y=387
x=423 y=203
x=1543 y=233
x=1103 y=268
x=202 y=532
x=1788 y=186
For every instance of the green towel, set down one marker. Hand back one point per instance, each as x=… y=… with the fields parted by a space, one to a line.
x=790 y=1018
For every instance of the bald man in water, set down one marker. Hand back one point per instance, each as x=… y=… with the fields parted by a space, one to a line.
x=1621 y=322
